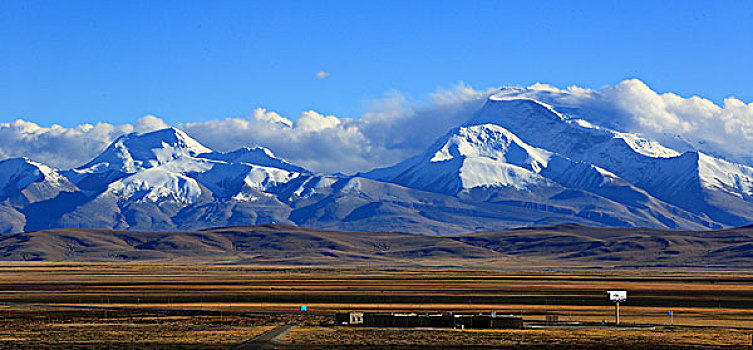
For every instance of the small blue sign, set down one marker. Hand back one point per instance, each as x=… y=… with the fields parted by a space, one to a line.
x=304 y=307
x=669 y=313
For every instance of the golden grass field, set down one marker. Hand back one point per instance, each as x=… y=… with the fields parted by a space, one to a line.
x=75 y=329
x=43 y=306
x=348 y=338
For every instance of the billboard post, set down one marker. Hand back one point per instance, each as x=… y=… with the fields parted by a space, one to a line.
x=617 y=312
x=617 y=297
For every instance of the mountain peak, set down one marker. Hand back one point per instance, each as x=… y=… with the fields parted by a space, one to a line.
x=493 y=142
x=468 y=157
x=256 y=155
x=507 y=109
x=38 y=180
x=23 y=171
x=132 y=152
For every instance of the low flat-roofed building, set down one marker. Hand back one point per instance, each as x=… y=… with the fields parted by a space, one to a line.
x=442 y=320
x=349 y=318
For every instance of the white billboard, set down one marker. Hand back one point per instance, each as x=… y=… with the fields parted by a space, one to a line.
x=617 y=296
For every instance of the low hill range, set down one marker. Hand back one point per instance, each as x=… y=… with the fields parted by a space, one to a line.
x=520 y=160
x=555 y=247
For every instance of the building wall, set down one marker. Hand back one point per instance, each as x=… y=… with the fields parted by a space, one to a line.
x=440 y=321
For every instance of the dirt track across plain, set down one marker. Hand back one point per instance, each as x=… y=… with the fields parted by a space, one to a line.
x=266 y=341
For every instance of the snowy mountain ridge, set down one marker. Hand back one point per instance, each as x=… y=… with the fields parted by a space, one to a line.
x=22 y=172
x=519 y=160
x=133 y=152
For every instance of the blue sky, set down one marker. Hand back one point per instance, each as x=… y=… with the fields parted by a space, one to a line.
x=73 y=62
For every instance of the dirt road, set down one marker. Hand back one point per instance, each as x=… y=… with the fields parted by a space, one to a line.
x=268 y=340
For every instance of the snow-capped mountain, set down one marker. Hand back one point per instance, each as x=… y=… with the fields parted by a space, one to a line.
x=516 y=161
x=132 y=153
x=488 y=162
x=254 y=155
x=693 y=181
x=489 y=155
x=469 y=157
x=23 y=181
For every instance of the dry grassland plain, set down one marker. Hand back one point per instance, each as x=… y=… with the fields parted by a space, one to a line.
x=92 y=306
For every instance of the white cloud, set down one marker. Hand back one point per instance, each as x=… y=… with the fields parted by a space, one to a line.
x=311 y=122
x=272 y=118
x=149 y=123
x=322 y=143
x=545 y=87
x=65 y=147
x=458 y=93
x=56 y=145
x=396 y=129
x=685 y=124
x=322 y=74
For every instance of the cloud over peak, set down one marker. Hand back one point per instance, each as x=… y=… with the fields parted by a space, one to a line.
x=683 y=123
x=395 y=129
x=65 y=147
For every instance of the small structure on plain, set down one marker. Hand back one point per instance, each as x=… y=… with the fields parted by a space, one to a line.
x=617 y=297
x=436 y=320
